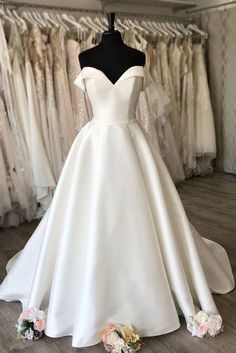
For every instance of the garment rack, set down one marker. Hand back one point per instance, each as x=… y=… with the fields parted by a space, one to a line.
x=211 y=7
x=17 y=5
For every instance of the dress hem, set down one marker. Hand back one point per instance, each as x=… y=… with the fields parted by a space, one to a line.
x=144 y=334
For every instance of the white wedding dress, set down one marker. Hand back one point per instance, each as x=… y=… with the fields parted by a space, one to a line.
x=115 y=244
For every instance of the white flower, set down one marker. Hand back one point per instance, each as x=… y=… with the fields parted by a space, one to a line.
x=127 y=349
x=29 y=334
x=215 y=325
x=116 y=350
x=119 y=343
x=191 y=326
x=112 y=338
x=204 y=325
x=36 y=314
x=18 y=328
x=201 y=317
x=40 y=315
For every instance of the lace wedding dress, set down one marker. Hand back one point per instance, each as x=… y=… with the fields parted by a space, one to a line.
x=205 y=129
x=115 y=244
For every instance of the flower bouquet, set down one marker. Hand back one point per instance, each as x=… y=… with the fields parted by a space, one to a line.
x=119 y=338
x=31 y=324
x=204 y=325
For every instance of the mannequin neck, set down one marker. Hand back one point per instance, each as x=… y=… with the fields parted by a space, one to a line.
x=111 y=38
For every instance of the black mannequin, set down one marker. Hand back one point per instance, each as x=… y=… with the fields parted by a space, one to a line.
x=112 y=55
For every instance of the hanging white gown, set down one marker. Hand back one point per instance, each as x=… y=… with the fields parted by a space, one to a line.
x=153 y=109
x=22 y=165
x=53 y=120
x=187 y=122
x=78 y=100
x=5 y=205
x=115 y=242
x=204 y=120
x=43 y=176
x=62 y=92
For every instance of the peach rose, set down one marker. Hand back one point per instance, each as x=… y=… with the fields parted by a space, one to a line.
x=24 y=315
x=39 y=325
x=109 y=328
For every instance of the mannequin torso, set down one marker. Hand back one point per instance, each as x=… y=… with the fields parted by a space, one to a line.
x=112 y=56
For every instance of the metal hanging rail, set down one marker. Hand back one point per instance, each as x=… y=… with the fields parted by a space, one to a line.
x=211 y=7
x=18 y=4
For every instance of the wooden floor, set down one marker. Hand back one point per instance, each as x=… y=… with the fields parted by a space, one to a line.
x=210 y=203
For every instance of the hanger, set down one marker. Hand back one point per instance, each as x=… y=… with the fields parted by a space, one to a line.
x=194 y=28
x=99 y=23
x=60 y=20
x=6 y=17
x=122 y=25
x=135 y=25
x=40 y=17
x=39 y=22
x=26 y=16
x=9 y=13
x=175 y=31
x=50 y=20
x=139 y=26
x=169 y=32
x=20 y=19
x=84 y=21
x=181 y=27
x=35 y=21
x=70 y=19
x=148 y=27
x=160 y=31
x=90 y=22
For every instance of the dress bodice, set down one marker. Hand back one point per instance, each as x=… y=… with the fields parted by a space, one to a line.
x=112 y=102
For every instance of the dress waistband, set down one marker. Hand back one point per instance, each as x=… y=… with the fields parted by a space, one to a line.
x=115 y=122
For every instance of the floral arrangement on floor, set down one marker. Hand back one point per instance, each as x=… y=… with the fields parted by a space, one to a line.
x=31 y=324
x=119 y=338
x=204 y=325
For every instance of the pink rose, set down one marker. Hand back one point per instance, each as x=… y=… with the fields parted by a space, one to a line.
x=109 y=328
x=39 y=325
x=202 y=329
x=215 y=324
x=24 y=315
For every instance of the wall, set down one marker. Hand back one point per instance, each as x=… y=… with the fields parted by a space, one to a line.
x=222 y=74
x=203 y=3
x=114 y=6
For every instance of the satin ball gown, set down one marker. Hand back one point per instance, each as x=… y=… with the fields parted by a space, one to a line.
x=115 y=244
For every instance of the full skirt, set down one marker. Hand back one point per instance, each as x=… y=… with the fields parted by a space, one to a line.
x=115 y=244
